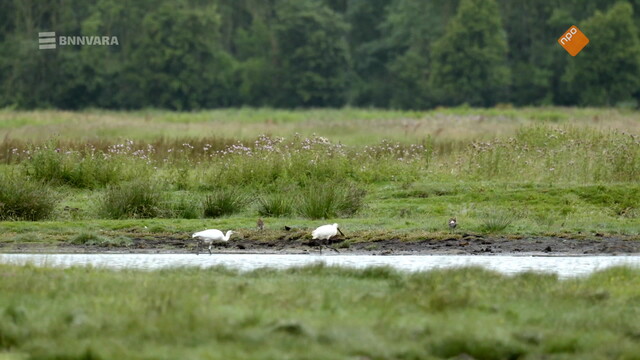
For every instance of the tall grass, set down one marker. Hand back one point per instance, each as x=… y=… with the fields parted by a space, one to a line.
x=496 y=220
x=86 y=169
x=276 y=204
x=135 y=199
x=554 y=154
x=23 y=199
x=274 y=160
x=535 y=153
x=329 y=200
x=187 y=206
x=213 y=163
x=225 y=201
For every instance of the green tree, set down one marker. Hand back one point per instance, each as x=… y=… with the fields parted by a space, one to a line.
x=369 y=51
x=179 y=62
x=531 y=49
x=411 y=29
x=254 y=46
x=30 y=77
x=312 y=56
x=111 y=75
x=607 y=71
x=469 y=61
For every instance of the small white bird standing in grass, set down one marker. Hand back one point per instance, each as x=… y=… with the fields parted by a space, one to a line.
x=325 y=232
x=209 y=236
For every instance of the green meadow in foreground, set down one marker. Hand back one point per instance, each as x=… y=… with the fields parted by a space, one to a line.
x=542 y=171
x=316 y=312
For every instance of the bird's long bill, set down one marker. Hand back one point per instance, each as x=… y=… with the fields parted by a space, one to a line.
x=340 y=231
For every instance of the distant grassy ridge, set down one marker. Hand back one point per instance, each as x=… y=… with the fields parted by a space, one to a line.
x=315 y=312
x=350 y=125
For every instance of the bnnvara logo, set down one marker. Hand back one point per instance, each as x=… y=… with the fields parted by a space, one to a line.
x=47 y=40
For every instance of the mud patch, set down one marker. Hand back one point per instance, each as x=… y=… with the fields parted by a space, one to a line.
x=300 y=243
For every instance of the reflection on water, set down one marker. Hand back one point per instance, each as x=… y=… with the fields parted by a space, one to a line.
x=563 y=266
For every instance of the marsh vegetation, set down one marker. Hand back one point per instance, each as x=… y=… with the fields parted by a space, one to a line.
x=531 y=172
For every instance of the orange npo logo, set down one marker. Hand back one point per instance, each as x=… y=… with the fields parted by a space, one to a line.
x=573 y=40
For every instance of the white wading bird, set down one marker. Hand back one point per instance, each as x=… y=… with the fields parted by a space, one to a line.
x=209 y=236
x=325 y=232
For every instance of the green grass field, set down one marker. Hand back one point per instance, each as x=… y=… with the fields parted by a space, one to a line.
x=98 y=177
x=315 y=313
x=512 y=171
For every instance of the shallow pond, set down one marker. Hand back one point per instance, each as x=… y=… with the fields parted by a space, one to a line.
x=561 y=265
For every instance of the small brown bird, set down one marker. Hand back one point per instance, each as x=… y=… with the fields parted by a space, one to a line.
x=71 y=209
x=452 y=224
x=260 y=224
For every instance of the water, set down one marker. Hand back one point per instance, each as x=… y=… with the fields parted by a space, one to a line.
x=561 y=265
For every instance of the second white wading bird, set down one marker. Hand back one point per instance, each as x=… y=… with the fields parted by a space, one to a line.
x=325 y=232
x=209 y=236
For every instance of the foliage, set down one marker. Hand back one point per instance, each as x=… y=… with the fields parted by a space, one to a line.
x=187 y=207
x=410 y=30
x=412 y=54
x=495 y=220
x=191 y=71
x=24 y=199
x=608 y=73
x=329 y=200
x=224 y=201
x=557 y=154
x=82 y=169
x=469 y=60
x=276 y=205
x=313 y=55
x=136 y=199
x=369 y=52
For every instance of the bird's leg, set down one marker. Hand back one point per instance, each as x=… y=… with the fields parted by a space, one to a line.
x=326 y=244
x=331 y=247
x=209 y=249
x=198 y=247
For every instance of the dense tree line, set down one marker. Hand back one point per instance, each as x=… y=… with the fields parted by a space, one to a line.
x=193 y=54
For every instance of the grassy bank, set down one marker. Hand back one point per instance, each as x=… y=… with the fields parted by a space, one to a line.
x=391 y=211
x=315 y=313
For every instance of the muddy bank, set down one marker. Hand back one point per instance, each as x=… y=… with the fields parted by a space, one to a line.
x=459 y=245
